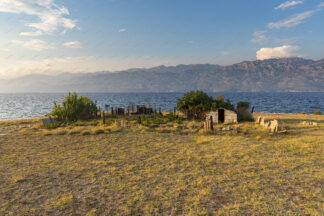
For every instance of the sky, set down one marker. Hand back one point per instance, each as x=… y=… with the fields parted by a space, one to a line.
x=56 y=36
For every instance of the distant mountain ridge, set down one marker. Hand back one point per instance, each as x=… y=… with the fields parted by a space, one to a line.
x=284 y=75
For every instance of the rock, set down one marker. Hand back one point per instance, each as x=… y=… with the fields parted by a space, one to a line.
x=258 y=120
x=226 y=129
x=309 y=123
x=274 y=126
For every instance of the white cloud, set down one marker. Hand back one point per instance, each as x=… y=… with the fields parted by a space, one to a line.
x=73 y=45
x=52 y=17
x=320 y=5
x=288 y=4
x=50 y=66
x=259 y=36
x=122 y=30
x=293 y=21
x=37 y=45
x=285 y=51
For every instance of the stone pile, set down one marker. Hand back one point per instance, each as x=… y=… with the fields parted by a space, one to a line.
x=272 y=125
x=309 y=123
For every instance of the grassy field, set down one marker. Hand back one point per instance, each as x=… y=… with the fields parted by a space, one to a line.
x=162 y=169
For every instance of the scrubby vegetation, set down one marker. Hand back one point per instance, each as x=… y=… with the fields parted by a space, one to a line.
x=318 y=112
x=221 y=103
x=195 y=104
x=75 y=108
x=243 y=104
x=171 y=169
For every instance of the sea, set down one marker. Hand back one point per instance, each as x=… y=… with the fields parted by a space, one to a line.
x=30 y=105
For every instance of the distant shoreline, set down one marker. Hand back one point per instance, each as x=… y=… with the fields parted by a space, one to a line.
x=255 y=114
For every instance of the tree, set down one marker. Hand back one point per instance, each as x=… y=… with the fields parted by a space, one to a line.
x=195 y=104
x=75 y=108
x=220 y=97
x=318 y=112
x=222 y=104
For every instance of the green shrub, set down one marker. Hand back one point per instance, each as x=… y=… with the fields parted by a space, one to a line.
x=243 y=104
x=220 y=98
x=75 y=108
x=79 y=123
x=52 y=126
x=245 y=118
x=222 y=104
x=94 y=122
x=195 y=104
x=318 y=112
x=174 y=118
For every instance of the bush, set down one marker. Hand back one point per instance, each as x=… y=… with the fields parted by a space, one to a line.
x=195 y=104
x=318 y=112
x=52 y=126
x=243 y=104
x=220 y=98
x=174 y=118
x=245 y=118
x=75 y=108
x=222 y=104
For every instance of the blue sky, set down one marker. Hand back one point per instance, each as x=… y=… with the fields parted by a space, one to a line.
x=54 y=36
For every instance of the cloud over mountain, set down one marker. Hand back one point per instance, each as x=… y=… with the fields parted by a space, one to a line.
x=285 y=51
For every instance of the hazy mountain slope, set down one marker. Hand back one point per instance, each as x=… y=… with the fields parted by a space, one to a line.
x=290 y=74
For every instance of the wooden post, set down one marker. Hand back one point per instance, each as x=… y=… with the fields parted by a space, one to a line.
x=174 y=111
x=211 y=123
x=103 y=117
x=112 y=110
x=139 y=120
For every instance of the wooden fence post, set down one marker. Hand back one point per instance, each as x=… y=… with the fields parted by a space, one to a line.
x=211 y=123
x=103 y=117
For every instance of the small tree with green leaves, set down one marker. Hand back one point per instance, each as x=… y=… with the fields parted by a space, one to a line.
x=107 y=106
x=318 y=112
x=75 y=108
x=222 y=104
x=220 y=97
x=195 y=104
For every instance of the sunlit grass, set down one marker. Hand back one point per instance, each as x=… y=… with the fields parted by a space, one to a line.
x=171 y=169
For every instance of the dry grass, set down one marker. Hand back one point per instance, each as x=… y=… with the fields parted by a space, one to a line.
x=168 y=170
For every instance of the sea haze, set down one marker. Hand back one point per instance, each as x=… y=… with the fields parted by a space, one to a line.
x=31 y=105
x=272 y=75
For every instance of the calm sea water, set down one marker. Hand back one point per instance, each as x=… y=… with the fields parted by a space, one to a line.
x=30 y=105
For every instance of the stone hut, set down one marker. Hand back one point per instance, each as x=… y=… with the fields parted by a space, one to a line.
x=222 y=116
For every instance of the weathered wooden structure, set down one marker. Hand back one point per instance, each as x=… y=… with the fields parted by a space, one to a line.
x=120 y=111
x=144 y=110
x=208 y=124
x=222 y=116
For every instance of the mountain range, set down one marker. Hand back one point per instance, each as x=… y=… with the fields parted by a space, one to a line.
x=272 y=75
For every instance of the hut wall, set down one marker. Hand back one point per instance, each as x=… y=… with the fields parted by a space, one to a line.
x=229 y=116
x=215 y=116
